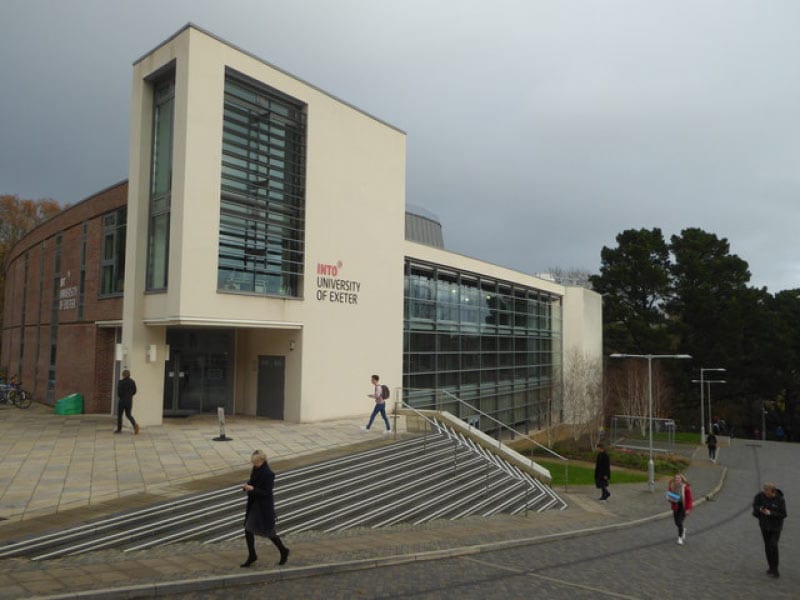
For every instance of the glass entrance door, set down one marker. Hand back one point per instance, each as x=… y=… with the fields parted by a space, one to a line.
x=198 y=375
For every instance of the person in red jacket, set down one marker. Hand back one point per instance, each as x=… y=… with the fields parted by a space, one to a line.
x=680 y=498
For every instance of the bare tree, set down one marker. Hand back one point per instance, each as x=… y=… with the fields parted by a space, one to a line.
x=583 y=395
x=627 y=390
x=571 y=276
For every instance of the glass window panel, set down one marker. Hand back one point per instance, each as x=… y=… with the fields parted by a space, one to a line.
x=506 y=359
x=420 y=363
x=469 y=378
x=470 y=360
x=488 y=360
x=162 y=148
x=423 y=381
x=447 y=379
x=448 y=343
x=263 y=178
x=158 y=248
x=423 y=342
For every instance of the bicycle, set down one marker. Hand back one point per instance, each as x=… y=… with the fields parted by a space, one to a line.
x=14 y=394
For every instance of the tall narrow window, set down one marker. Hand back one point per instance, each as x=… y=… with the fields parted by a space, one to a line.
x=54 y=309
x=112 y=260
x=160 y=184
x=22 y=317
x=262 y=204
x=82 y=281
x=39 y=309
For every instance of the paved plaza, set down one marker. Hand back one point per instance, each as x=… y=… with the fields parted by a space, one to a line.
x=60 y=470
x=53 y=464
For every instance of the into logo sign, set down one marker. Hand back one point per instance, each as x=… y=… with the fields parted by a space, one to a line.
x=331 y=270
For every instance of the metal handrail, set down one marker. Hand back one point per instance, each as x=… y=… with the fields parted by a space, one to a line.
x=504 y=426
x=399 y=403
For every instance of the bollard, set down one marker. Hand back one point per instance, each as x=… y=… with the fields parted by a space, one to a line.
x=222 y=437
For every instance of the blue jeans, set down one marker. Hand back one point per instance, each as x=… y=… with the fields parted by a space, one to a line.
x=380 y=407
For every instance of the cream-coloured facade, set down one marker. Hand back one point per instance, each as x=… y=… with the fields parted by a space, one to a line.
x=305 y=354
x=354 y=218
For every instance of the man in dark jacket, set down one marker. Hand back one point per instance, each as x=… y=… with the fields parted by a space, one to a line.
x=126 y=390
x=602 y=472
x=769 y=507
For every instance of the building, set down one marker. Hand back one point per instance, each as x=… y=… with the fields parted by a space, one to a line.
x=63 y=301
x=270 y=266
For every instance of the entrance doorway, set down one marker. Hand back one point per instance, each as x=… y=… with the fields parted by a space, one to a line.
x=271 y=381
x=198 y=375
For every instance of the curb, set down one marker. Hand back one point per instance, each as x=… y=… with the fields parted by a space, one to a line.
x=153 y=590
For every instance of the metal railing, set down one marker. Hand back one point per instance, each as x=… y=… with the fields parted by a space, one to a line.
x=502 y=426
x=442 y=428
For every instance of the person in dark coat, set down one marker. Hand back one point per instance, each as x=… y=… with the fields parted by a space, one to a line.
x=259 y=518
x=602 y=472
x=769 y=507
x=126 y=390
x=711 y=442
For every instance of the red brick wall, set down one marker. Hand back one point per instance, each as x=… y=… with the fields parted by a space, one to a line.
x=75 y=371
x=104 y=371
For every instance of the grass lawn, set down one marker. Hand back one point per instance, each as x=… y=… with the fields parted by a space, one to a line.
x=681 y=437
x=583 y=473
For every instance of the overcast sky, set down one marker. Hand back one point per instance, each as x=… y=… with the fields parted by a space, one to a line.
x=537 y=131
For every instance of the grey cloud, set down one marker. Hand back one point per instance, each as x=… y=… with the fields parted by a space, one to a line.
x=537 y=131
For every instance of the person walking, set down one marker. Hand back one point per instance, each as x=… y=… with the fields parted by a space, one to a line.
x=126 y=390
x=711 y=442
x=602 y=472
x=380 y=395
x=259 y=517
x=679 y=495
x=769 y=506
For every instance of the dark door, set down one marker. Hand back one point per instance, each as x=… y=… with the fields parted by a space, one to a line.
x=197 y=373
x=176 y=378
x=270 y=386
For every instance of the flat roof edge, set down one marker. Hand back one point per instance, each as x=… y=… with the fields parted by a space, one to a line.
x=191 y=25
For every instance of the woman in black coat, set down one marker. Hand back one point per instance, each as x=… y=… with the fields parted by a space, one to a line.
x=260 y=516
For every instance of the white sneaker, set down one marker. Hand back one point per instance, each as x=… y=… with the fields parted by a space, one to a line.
x=387 y=432
x=683 y=535
x=364 y=428
x=680 y=541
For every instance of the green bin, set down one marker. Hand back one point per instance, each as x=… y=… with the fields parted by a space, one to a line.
x=70 y=405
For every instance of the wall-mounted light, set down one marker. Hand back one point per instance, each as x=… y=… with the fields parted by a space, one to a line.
x=292 y=345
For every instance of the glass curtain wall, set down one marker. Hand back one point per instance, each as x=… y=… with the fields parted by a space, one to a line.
x=262 y=205
x=491 y=343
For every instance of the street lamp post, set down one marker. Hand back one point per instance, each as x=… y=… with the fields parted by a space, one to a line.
x=710 y=422
x=702 y=389
x=651 y=470
x=710 y=418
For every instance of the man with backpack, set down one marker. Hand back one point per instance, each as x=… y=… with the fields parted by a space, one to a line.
x=380 y=394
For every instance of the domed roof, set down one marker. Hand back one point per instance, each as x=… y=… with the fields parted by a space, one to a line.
x=423 y=227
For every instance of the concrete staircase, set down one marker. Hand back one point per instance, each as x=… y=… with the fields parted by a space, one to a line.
x=443 y=473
